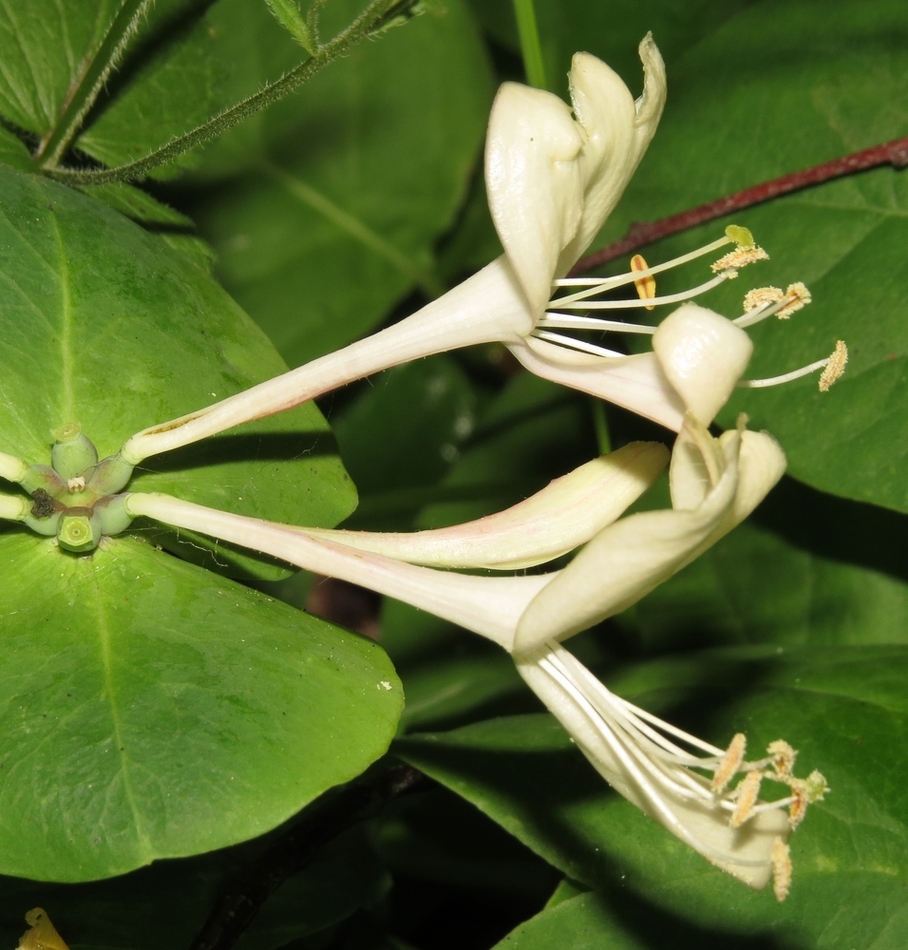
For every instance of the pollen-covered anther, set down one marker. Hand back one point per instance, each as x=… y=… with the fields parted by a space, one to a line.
x=835 y=366
x=799 y=802
x=804 y=792
x=645 y=286
x=781 y=869
x=798 y=296
x=730 y=764
x=745 y=798
x=740 y=257
x=782 y=759
x=760 y=297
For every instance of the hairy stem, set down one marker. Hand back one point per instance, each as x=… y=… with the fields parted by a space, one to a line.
x=85 y=90
x=372 y=19
x=321 y=822
x=893 y=153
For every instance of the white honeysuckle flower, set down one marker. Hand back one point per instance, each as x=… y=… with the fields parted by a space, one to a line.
x=564 y=174
x=715 y=484
x=553 y=176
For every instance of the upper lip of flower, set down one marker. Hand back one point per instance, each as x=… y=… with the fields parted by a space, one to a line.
x=553 y=178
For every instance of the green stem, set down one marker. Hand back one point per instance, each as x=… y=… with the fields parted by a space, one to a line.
x=368 y=22
x=600 y=424
x=530 y=48
x=82 y=97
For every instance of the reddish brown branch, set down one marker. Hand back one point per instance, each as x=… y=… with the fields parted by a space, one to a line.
x=893 y=153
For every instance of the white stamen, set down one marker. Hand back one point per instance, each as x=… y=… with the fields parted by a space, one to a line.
x=833 y=365
x=568 y=321
x=610 y=283
x=580 y=345
x=581 y=301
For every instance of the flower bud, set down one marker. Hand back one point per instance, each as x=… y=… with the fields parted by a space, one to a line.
x=73 y=453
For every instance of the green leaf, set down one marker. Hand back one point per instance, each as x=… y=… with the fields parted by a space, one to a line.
x=586 y=922
x=533 y=432
x=845 y=708
x=341 y=191
x=846 y=89
x=396 y=455
x=34 y=84
x=610 y=31
x=437 y=836
x=106 y=326
x=152 y=710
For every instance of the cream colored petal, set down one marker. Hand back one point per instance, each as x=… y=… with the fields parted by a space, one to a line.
x=488 y=307
x=554 y=521
x=744 y=852
x=703 y=356
x=488 y=606
x=534 y=183
x=625 y=561
x=698 y=461
x=618 y=131
x=634 y=382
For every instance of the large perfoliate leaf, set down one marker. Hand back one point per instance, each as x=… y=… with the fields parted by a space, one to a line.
x=106 y=326
x=154 y=710
x=809 y=102
x=844 y=708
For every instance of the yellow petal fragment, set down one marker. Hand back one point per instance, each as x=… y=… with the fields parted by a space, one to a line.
x=835 y=366
x=41 y=934
x=646 y=286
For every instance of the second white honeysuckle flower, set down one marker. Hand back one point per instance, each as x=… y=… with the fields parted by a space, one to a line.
x=715 y=484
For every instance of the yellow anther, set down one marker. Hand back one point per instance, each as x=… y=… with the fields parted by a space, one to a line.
x=798 y=296
x=746 y=797
x=798 y=807
x=761 y=297
x=740 y=257
x=804 y=792
x=741 y=236
x=646 y=286
x=835 y=366
x=781 y=869
x=730 y=764
x=783 y=759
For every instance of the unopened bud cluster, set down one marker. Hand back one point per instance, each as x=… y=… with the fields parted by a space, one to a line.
x=75 y=497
